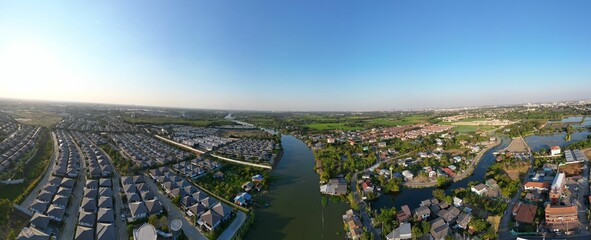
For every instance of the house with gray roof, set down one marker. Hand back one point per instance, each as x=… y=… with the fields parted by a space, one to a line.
x=223 y=210
x=87 y=219
x=55 y=212
x=105 y=215
x=84 y=233
x=153 y=206
x=39 y=206
x=209 y=220
x=138 y=210
x=31 y=233
x=105 y=231
x=39 y=221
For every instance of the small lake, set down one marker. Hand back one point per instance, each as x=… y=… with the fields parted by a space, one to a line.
x=296 y=210
x=538 y=142
x=413 y=196
x=577 y=121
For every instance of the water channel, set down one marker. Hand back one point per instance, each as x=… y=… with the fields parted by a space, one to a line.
x=296 y=210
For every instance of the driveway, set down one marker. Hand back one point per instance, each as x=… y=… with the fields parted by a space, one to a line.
x=234 y=226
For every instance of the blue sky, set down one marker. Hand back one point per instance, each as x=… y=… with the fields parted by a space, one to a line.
x=296 y=55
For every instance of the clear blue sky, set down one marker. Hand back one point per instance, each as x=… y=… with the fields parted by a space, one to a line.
x=296 y=55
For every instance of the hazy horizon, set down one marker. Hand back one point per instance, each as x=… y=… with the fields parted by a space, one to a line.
x=296 y=55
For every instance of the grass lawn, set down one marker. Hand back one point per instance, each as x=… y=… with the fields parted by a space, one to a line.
x=473 y=128
x=389 y=122
x=495 y=221
x=43 y=119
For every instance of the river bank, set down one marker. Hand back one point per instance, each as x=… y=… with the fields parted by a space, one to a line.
x=459 y=177
x=413 y=196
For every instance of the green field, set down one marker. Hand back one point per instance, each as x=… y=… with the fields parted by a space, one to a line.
x=473 y=128
x=182 y=121
x=332 y=126
x=38 y=118
x=389 y=122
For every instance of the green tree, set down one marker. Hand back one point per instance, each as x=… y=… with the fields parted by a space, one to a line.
x=478 y=224
x=177 y=200
x=352 y=201
x=439 y=194
x=153 y=220
x=5 y=210
x=416 y=232
x=442 y=181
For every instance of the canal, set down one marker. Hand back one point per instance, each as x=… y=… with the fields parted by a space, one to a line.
x=413 y=196
x=296 y=210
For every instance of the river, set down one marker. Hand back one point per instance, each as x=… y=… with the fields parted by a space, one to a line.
x=296 y=210
x=413 y=196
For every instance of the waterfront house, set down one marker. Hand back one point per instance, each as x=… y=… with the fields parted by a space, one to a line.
x=457 y=202
x=404 y=214
x=422 y=212
x=555 y=150
x=335 y=186
x=479 y=189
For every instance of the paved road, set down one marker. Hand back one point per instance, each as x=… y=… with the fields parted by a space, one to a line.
x=120 y=224
x=234 y=226
x=71 y=219
x=33 y=194
x=173 y=212
x=504 y=224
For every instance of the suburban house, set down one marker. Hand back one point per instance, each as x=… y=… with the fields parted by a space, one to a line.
x=402 y=232
x=439 y=229
x=525 y=213
x=479 y=189
x=335 y=186
x=404 y=214
x=540 y=186
x=422 y=212
x=463 y=220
